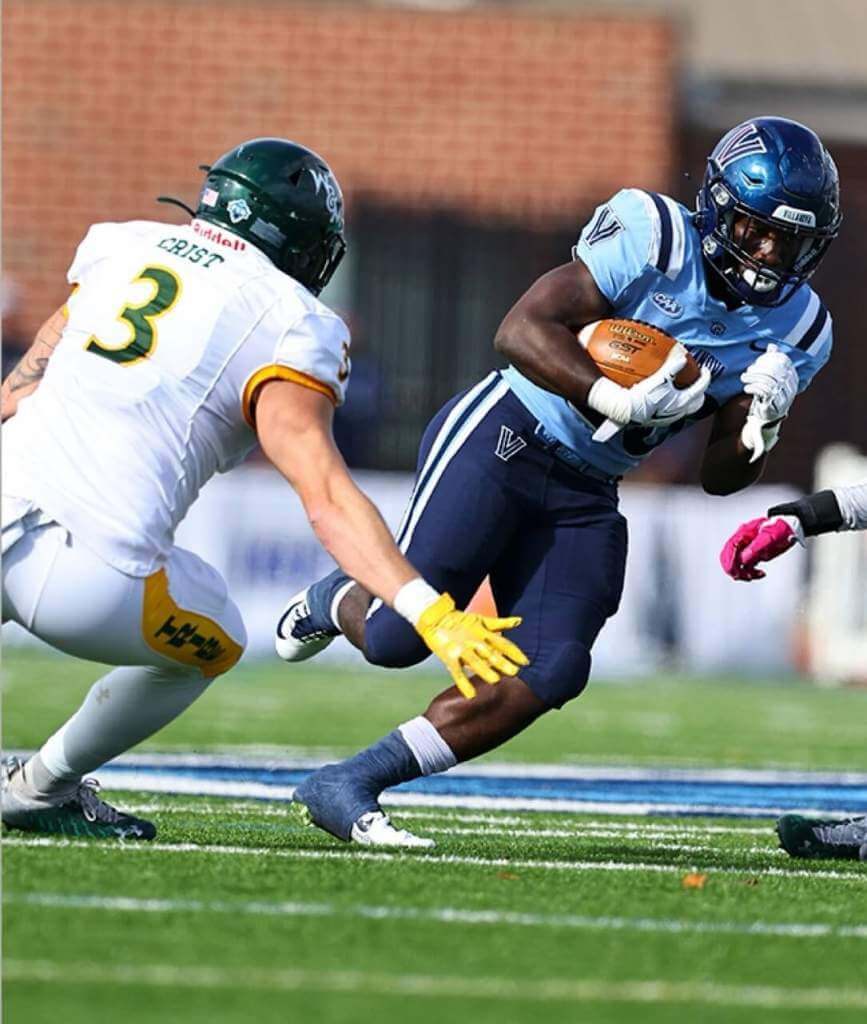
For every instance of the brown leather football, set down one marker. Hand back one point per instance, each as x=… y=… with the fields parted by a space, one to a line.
x=628 y=351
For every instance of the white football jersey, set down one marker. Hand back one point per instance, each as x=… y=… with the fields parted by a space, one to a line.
x=170 y=331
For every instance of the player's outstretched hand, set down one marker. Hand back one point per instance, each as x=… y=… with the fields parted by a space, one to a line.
x=759 y=540
x=467 y=642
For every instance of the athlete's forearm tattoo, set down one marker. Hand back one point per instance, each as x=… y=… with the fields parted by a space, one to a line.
x=30 y=369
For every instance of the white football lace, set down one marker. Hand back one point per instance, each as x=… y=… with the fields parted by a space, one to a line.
x=94 y=809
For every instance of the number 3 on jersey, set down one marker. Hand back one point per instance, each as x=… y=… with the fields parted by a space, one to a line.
x=167 y=288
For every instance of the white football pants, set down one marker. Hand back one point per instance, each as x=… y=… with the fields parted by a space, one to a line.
x=175 y=631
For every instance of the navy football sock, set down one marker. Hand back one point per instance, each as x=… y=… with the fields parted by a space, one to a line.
x=320 y=596
x=385 y=763
x=338 y=794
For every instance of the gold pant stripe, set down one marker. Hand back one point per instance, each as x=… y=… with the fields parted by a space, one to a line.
x=184 y=636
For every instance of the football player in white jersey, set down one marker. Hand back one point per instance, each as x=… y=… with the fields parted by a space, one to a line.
x=179 y=349
x=768 y=537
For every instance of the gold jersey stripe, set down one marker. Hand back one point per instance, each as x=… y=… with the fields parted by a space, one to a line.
x=278 y=372
x=184 y=636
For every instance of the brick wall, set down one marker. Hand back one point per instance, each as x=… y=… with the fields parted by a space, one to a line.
x=503 y=113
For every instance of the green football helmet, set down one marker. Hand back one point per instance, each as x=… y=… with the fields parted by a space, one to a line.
x=282 y=198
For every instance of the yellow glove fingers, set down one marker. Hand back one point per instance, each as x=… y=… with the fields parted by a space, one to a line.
x=461 y=681
x=512 y=651
x=484 y=649
x=502 y=665
x=498 y=625
x=480 y=667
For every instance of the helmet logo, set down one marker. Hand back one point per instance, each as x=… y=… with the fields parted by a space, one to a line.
x=238 y=210
x=333 y=201
x=743 y=141
x=209 y=197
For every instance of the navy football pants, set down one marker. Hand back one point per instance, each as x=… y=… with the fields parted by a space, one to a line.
x=490 y=500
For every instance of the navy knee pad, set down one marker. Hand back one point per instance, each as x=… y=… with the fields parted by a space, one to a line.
x=391 y=642
x=560 y=677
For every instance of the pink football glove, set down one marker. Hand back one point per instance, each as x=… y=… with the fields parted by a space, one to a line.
x=759 y=540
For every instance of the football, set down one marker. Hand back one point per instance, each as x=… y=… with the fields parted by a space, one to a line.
x=630 y=350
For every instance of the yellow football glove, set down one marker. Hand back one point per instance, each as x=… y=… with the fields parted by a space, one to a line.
x=464 y=640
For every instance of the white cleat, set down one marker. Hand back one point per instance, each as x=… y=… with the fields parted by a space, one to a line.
x=296 y=639
x=375 y=829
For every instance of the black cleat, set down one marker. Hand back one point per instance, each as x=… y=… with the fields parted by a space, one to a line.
x=840 y=839
x=77 y=812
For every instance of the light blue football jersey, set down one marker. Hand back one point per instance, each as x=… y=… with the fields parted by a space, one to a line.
x=645 y=256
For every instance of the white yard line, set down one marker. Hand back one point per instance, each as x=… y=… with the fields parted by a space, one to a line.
x=445 y=915
x=430 y=859
x=435 y=986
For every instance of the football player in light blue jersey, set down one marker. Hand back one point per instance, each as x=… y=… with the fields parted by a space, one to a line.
x=517 y=477
x=646 y=255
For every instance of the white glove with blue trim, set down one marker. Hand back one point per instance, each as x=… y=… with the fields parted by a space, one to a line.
x=772 y=380
x=653 y=402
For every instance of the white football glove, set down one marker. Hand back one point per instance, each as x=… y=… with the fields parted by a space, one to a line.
x=652 y=402
x=772 y=380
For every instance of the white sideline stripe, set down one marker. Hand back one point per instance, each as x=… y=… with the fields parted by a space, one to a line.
x=500 y=821
x=429 y=858
x=452 y=826
x=435 y=986
x=605 y=824
x=144 y=782
x=446 y=915
x=505 y=769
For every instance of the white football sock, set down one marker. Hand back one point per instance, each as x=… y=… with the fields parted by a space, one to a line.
x=122 y=709
x=335 y=602
x=428 y=747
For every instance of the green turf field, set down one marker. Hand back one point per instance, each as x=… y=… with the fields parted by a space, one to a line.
x=238 y=914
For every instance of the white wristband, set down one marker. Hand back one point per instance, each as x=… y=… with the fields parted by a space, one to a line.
x=414 y=598
x=610 y=399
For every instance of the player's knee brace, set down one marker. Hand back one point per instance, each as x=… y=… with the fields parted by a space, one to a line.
x=391 y=642
x=562 y=677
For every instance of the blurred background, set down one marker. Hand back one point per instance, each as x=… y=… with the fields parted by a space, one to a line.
x=472 y=141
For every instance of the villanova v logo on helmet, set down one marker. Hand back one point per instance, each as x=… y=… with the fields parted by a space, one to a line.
x=744 y=142
x=508 y=444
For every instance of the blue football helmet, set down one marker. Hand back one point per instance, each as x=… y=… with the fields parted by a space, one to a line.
x=768 y=178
